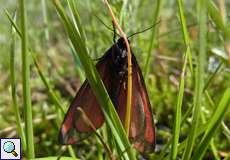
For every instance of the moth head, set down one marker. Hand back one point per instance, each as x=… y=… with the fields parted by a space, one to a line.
x=120 y=52
x=119 y=57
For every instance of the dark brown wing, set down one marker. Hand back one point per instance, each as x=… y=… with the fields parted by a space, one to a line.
x=74 y=128
x=142 y=130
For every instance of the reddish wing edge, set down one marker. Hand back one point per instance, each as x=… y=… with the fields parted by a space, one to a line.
x=142 y=129
x=74 y=128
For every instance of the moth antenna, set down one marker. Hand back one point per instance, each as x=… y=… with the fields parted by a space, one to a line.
x=114 y=33
x=144 y=29
x=107 y=26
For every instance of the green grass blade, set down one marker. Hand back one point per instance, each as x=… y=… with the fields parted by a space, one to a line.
x=77 y=19
x=185 y=33
x=183 y=144
x=177 y=114
x=166 y=146
x=72 y=153
x=51 y=92
x=152 y=39
x=218 y=19
x=199 y=78
x=214 y=149
x=213 y=125
x=96 y=84
x=123 y=12
x=189 y=111
x=210 y=102
x=13 y=89
x=211 y=77
x=45 y=19
x=78 y=63
x=26 y=83
x=212 y=144
x=226 y=131
x=13 y=23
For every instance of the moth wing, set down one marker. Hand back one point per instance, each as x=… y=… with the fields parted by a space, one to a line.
x=74 y=128
x=142 y=129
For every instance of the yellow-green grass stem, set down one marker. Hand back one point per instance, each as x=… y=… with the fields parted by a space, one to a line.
x=129 y=93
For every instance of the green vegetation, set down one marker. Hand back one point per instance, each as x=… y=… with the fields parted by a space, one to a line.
x=48 y=48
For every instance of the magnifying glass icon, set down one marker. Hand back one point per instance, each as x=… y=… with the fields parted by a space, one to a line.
x=9 y=147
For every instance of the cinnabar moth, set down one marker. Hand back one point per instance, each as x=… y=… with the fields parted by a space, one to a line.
x=112 y=68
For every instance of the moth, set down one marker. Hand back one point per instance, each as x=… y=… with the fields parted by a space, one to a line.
x=112 y=67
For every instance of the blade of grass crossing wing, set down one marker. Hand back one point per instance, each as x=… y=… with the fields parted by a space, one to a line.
x=95 y=82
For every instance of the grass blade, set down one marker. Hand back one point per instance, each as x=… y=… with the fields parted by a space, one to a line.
x=213 y=125
x=13 y=23
x=185 y=33
x=167 y=145
x=77 y=19
x=45 y=20
x=13 y=89
x=177 y=120
x=218 y=19
x=177 y=115
x=152 y=39
x=26 y=82
x=199 y=78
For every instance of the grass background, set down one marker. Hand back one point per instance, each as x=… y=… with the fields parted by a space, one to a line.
x=183 y=59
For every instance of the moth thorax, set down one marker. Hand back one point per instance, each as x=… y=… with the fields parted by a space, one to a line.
x=120 y=61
